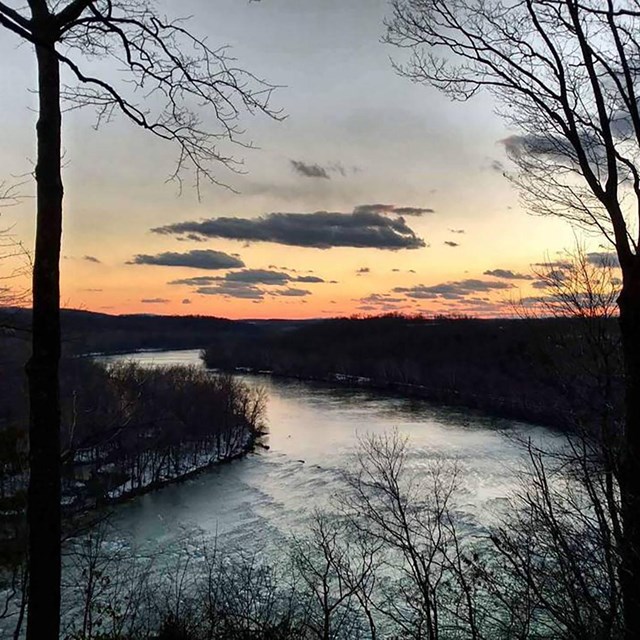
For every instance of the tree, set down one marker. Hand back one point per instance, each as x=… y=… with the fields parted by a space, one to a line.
x=167 y=76
x=12 y=253
x=565 y=74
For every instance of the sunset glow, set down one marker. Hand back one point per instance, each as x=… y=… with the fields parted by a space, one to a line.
x=355 y=135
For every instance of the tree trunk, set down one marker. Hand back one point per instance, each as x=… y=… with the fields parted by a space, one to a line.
x=43 y=507
x=629 y=303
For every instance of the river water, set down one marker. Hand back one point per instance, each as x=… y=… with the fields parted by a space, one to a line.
x=314 y=433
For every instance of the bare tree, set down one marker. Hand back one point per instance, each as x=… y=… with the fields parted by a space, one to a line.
x=410 y=519
x=565 y=74
x=165 y=80
x=14 y=259
x=335 y=571
x=581 y=349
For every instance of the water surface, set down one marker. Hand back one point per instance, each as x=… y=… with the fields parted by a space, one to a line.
x=314 y=433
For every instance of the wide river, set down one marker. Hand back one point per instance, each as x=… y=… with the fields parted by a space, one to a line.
x=314 y=433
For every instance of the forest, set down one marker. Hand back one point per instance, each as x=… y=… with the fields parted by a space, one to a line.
x=556 y=371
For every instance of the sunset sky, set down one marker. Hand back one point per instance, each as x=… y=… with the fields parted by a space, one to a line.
x=374 y=194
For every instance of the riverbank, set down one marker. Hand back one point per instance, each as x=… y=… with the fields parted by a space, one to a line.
x=491 y=406
x=547 y=371
x=128 y=430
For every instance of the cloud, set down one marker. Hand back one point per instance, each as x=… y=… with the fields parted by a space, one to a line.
x=293 y=293
x=249 y=276
x=197 y=259
x=247 y=290
x=412 y=211
x=321 y=230
x=561 y=265
x=550 y=146
x=449 y=243
x=392 y=209
x=362 y=270
x=315 y=170
x=603 y=259
x=381 y=298
x=241 y=290
x=154 y=301
x=456 y=231
x=186 y=301
x=310 y=170
x=92 y=259
x=550 y=278
x=258 y=276
x=507 y=274
x=198 y=281
x=452 y=290
x=540 y=284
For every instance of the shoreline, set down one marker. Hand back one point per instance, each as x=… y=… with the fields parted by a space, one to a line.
x=497 y=407
x=251 y=446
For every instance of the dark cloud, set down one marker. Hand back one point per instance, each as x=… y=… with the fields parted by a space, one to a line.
x=551 y=146
x=363 y=270
x=456 y=230
x=561 y=265
x=248 y=291
x=452 y=290
x=315 y=170
x=92 y=259
x=412 y=211
x=310 y=170
x=241 y=290
x=249 y=276
x=449 y=243
x=186 y=301
x=551 y=278
x=196 y=259
x=507 y=274
x=154 y=301
x=541 y=145
x=293 y=293
x=258 y=276
x=374 y=208
x=198 y=281
x=392 y=209
x=321 y=230
x=603 y=259
x=540 y=284
x=381 y=298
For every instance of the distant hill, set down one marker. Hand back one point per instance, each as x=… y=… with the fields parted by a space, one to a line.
x=90 y=332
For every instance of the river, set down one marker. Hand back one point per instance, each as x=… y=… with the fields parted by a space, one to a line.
x=314 y=432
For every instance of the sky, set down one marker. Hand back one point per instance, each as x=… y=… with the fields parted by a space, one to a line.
x=374 y=194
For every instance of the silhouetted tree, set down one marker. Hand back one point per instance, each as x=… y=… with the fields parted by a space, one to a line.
x=165 y=77
x=14 y=261
x=565 y=74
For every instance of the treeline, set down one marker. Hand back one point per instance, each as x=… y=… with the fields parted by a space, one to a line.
x=551 y=371
x=125 y=428
x=90 y=332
